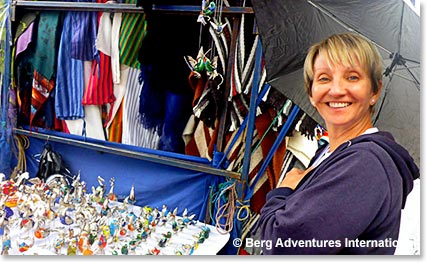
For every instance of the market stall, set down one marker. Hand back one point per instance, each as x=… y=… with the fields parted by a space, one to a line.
x=55 y=219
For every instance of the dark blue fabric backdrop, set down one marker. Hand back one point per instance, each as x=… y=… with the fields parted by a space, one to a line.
x=155 y=184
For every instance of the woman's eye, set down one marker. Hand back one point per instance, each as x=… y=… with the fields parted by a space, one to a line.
x=323 y=79
x=353 y=78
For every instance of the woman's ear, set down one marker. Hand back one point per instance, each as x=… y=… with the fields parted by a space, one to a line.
x=376 y=96
x=312 y=101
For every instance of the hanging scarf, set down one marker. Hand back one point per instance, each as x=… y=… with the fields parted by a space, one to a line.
x=48 y=34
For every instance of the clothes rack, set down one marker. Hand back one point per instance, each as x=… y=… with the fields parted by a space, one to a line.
x=131 y=8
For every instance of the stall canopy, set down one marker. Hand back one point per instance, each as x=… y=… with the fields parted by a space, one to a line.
x=288 y=28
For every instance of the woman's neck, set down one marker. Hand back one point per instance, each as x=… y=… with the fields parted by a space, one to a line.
x=337 y=136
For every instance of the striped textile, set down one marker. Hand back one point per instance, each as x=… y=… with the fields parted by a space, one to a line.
x=132 y=32
x=100 y=88
x=84 y=28
x=133 y=131
x=70 y=80
x=202 y=139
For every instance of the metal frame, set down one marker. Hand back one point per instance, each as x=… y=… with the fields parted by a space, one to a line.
x=117 y=7
x=133 y=154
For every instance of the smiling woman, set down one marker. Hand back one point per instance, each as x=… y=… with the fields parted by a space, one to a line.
x=355 y=186
x=343 y=79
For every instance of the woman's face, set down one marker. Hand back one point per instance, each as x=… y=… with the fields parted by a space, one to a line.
x=342 y=95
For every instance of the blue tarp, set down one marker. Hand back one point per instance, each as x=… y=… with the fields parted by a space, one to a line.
x=155 y=184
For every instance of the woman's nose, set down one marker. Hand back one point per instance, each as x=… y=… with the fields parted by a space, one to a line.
x=337 y=87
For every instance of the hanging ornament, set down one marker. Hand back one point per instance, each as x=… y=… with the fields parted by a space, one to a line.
x=203 y=64
x=208 y=9
x=219 y=27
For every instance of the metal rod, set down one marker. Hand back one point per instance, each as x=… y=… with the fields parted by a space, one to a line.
x=133 y=154
x=119 y=7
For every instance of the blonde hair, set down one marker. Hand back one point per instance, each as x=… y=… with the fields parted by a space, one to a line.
x=347 y=49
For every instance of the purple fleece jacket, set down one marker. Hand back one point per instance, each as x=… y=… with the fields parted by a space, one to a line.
x=350 y=204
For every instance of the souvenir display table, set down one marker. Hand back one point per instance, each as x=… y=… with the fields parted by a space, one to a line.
x=55 y=219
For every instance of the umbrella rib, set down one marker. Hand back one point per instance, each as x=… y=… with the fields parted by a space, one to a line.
x=333 y=17
x=412 y=61
x=414 y=80
x=399 y=40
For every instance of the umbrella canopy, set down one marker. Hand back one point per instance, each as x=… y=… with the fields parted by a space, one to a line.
x=288 y=28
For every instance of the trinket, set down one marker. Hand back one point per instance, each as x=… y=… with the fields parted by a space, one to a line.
x=72 y=247
x=125 y=249
x=6 y=244
x=102 y=243
x=41 y=233
x=154 y=251
x=111 y=196
x=25 y=243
